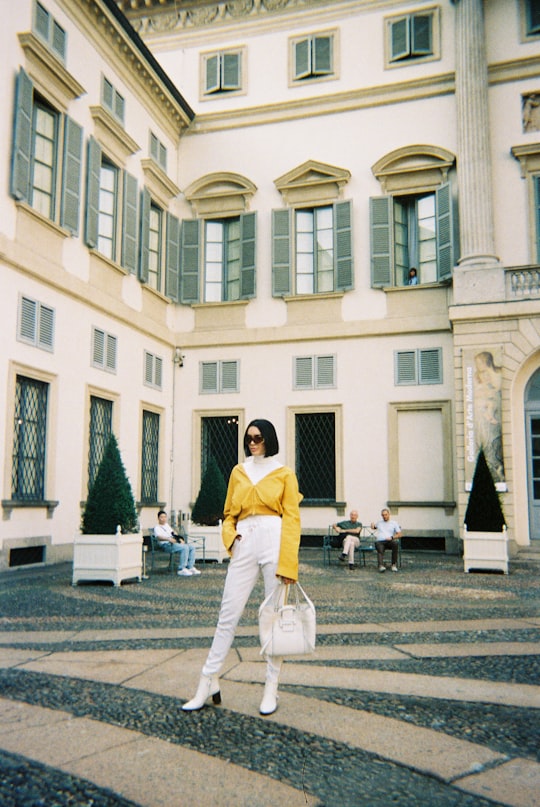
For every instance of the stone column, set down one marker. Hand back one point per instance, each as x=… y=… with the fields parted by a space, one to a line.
x=474 y=161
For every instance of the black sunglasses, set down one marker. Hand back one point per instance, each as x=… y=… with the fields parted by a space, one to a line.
x=254 y=438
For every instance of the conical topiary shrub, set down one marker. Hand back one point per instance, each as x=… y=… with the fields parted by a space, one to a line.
x=484 y=512
x=208 y=507
x=110 y=500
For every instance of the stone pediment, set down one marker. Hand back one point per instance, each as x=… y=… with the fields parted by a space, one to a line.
x=220 y=192
x=312 y=182
x=413 y=167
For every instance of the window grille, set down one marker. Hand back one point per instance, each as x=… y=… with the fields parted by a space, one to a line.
x=29 y=440
x=150 y=457
x=316 y=455
x=100 y=431
x=219 y=438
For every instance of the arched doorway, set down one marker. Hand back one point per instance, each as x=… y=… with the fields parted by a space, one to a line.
x=532 y=425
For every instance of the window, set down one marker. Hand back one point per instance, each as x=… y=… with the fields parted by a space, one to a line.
x=111 y=225
x=104 y=350
x=422 y=366
x=218 y=259
x=160 y=248
x=312 y=250
x=314 y=372
x=315 y=449
x=101 y=411
x=46 y=157
x=222 y=72
x=409 y=231
x=153 y=370
x=158 y=152
x=112 y=100
x=219 y=376
x=219 y=439
x=536 y=180
x=531 y=14
x=312 y=57
x=150 y=458
x=36 y=323
x=412 y=37
x=46 y=27
x=154 y=247
x=29 y=440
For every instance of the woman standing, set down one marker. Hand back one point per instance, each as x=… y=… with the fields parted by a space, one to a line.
x=261 y=531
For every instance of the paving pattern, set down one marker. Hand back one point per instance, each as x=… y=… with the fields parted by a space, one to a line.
x=424 y=689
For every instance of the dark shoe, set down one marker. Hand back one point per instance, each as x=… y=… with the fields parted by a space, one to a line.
x=343 y=557
x=352 y=566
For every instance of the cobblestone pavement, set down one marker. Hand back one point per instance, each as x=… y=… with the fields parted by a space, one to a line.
x=424 y=690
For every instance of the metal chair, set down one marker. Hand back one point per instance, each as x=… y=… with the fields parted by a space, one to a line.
x=330 y=544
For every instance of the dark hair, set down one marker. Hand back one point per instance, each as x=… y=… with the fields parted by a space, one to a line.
x=161 y=512
x=271 y=444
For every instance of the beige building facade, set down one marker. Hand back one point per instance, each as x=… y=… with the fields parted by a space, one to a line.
x=212 y=217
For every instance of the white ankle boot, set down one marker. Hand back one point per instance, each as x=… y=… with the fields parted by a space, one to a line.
x=208 y=685
x=270 y=698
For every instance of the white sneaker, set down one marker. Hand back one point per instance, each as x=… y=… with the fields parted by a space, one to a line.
x=394 y=568
x=193 y=570
x=381 y=569
x=184 y=572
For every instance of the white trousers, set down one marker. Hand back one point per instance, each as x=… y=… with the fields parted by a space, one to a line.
x=258 y=550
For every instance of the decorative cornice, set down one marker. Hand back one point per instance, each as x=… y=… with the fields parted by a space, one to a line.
x=48 y=73
x=221 y=192
x=112 y=135
x=163 y=188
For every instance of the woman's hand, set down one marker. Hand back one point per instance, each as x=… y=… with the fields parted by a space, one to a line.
x=287 y=580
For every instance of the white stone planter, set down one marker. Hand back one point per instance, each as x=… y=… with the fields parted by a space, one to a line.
x=107 y=557
x=213 y=549
x=485 y=550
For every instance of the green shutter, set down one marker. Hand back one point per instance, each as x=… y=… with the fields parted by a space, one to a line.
x=421 y=34
x=381 y=240
x=42 y=21
x=322 y=55
x=231 y=71
x=22 y=137
x=58 y=41
x=281 y=252
x=212 y=73
x=145 y=235
x=399 y=39
x=93 y=170
x=172 y=273
x=247 y=255
x=445 y=252
x=302 y=58
x=343 y=245
x=71 y=176
x=130 y=224
x=189 y=260
x=537 y=215
x=405 y=367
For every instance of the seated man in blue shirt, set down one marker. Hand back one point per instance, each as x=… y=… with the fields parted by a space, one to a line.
x=169 y=541
x=350 y=530
x=388 y=533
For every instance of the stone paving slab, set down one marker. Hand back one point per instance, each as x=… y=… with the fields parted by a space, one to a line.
x=143 y=769
x=451 y=650
x=516 y=783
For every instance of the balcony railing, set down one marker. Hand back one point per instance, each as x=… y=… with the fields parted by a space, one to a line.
x=522 y=282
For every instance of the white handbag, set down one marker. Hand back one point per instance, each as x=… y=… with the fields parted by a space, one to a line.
x=285 y=629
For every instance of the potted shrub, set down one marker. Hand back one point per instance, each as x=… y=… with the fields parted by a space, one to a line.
x=110 y=546
x=485 y=539
x=207 y=512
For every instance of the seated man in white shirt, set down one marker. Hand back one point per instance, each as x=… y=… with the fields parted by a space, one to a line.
x=388 y=533
x=169 y=541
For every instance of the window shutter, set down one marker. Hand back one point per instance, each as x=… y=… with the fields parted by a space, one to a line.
x=303 y=372
x=22 y=137
x=58 y=41
x=172 y=257
x=537 y=215
x=405 y=367
x=46 y=327
x=429 y=366
x=343 y=245
x=189 y=260
x=148 y=368
x=108 y=94
x=130 y=223
x=28 y=320
x=322 y=55
x=302 y=58
x=421 y=34
x=71 y=177
x=158 y=371
x=445 y=252
x=119 y=106
x=325 y=371
x=229 y=376
x=154 y=147
x=42 y=21
x=399 y=38
x=111 y=352
x=145 y=235
x=231 y=72
x=98 y=348
x=247 y=253
x=93 y=169
x=212 y=73
x=281 y=252
x=381 y=240
x=209 y=376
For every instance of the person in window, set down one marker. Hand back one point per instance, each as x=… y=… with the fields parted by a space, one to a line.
x=261 y=532
x=413 y=277
x=350 y=530
x=388 y=535
x=169 y=541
